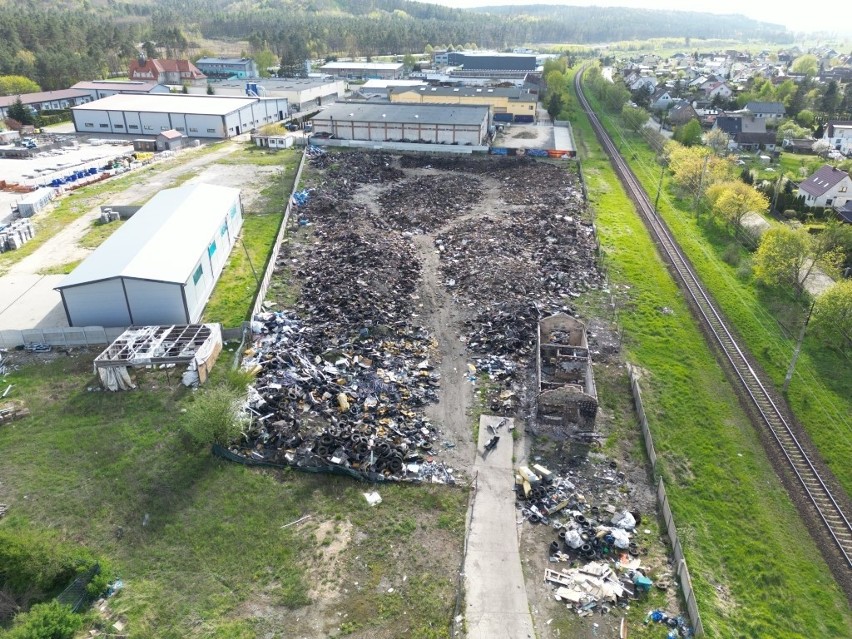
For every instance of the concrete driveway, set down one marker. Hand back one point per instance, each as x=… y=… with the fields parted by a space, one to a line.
x=496 y=597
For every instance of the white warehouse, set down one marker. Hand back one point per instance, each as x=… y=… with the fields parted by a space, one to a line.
x=161 y=266
x=196 y=116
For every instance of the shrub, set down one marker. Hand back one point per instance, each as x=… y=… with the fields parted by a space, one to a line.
x=214 y=415
x=46 y=621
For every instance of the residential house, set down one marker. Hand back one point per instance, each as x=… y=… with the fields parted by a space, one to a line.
x=746 y=131
x=717 y=89
x=661 y=100
x=770 y=111
x=829 y=186
x=838 y=133
x=164 y=71
x=844 y=213
x=642 y=81
x=681 y=113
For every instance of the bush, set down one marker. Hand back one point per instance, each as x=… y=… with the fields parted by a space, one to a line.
x=34 y=563
x=46 y=621
x=732 y=254
x=214 y=415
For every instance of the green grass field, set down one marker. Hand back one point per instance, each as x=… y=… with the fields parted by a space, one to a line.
x=237 y=287
x=748 y=553
x=768 y=320
x=199 y=541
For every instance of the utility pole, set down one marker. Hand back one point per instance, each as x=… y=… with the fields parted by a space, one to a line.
x=798 y=349
x=700 y=186
x=659 y=188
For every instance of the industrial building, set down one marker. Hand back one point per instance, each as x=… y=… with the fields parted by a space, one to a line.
x=364 y=70
x=193 y=115
x=45 y=100
x=487 y=64
x=227 y=67
x=302 y=94
x=432 y=123
x=381 y=88
x=98 y=89
x=507 y=104
x=160 y=267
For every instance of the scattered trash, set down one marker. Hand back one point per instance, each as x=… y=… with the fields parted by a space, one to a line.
x=298 y=521
x=373 y=498
x=678 y=625
x=115 y=587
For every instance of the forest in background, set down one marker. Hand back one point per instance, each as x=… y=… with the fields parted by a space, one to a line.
x=59 y=42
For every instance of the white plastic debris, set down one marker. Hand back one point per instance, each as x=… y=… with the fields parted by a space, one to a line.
x=373 y=498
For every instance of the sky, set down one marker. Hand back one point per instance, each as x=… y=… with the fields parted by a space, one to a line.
x=814 y=15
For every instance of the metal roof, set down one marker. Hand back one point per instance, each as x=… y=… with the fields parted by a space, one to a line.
x=42 y=96
x=117 y=85
x=405 y=113
x=223 y=61
x=163 y=240
x=372 y=66
x=169 y=103
x=513 y=93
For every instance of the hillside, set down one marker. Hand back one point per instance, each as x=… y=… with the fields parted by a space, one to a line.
x=57 y=42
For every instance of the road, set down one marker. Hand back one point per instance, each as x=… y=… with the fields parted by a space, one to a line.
x=496 y=597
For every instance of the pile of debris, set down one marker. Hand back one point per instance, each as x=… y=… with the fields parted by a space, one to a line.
x=428 y=202
x=316 y=403
x=596 y=538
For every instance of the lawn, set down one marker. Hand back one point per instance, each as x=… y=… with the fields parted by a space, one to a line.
x=199 y=542
x=234 y=295
x=748 y=552
x=820 y=395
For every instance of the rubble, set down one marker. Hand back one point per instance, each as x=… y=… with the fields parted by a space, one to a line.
x=426 y=203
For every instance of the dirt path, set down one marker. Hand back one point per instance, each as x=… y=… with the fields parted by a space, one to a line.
x=496 y=606
x=444 y=321
x=64 y=247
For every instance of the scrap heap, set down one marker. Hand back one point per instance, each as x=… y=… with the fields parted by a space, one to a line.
x=519 y=264
x=342 y=381
x=596 y=535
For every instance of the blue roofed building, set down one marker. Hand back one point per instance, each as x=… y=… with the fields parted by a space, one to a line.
x=226 y=68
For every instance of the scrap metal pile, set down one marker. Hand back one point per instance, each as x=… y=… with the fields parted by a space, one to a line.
x=517 y=265
x=428 y=202
x=341 y=381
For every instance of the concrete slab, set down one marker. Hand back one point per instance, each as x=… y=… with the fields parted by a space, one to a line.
x=496 y=604
x=29 y=301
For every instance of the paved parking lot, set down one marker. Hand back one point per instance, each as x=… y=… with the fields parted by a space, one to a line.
x=43 y=307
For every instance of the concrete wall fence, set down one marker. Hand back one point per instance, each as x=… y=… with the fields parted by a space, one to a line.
x=663 y=501
x=400 y=146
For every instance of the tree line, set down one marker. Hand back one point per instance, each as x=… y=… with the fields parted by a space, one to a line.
x=59 y=43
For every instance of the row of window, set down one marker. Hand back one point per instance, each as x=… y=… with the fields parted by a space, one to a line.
x=135 y=127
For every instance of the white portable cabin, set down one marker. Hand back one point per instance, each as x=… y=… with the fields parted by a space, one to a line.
x=34 y=202
x=160 y=267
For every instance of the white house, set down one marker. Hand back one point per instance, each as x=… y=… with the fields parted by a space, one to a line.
x=829 y=186
x=838 y=133
x=718 y=89
x=160 y=267
x=661 y=100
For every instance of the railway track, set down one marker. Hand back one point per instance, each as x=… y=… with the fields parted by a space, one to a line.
x=830 y=514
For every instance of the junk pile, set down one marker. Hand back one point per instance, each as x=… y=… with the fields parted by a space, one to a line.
x=677 y=625
x=520 y=265
x=598 y=541
x=319 y=401
x=342 y=380
x=428 y=202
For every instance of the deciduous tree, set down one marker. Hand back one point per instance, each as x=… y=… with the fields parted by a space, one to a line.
x=689 y=134
x=16 y=85
x=782 y=257
x=832 y=319
x=717 y=140
x=732 y=200
x=805 y=65
x=634 y=118
x=695 y=169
